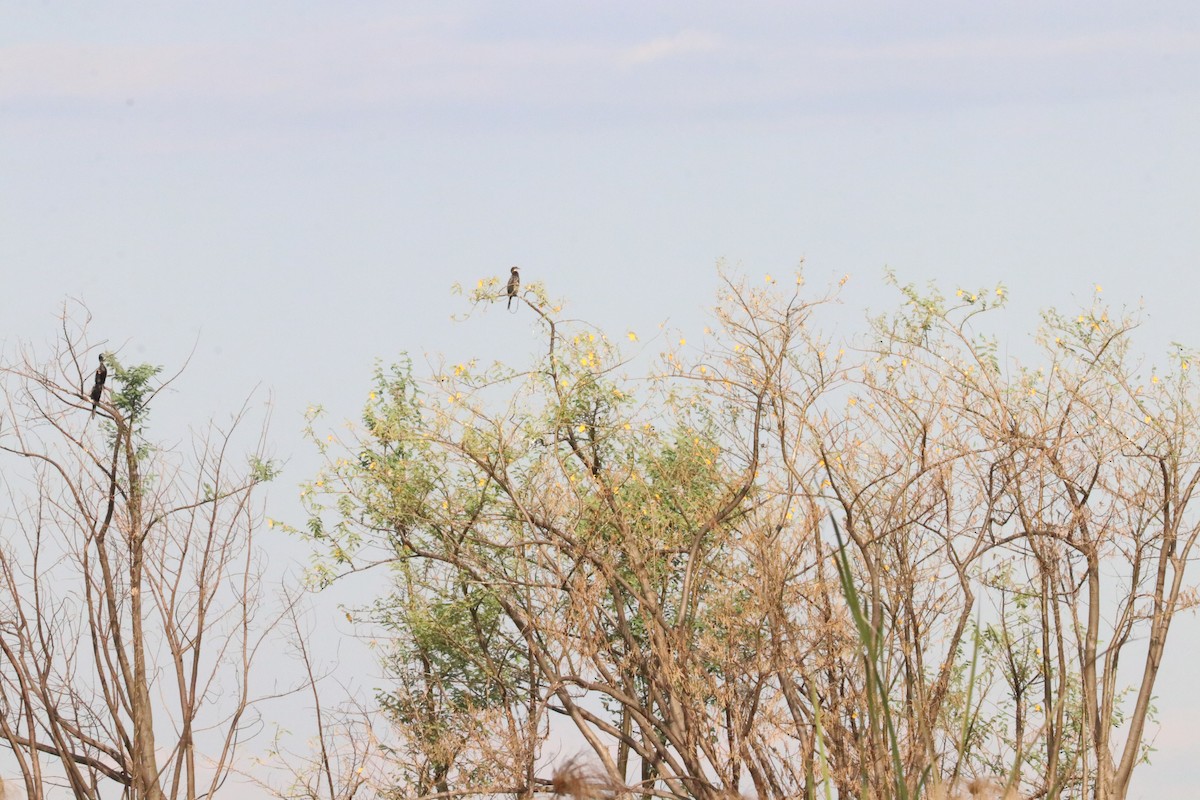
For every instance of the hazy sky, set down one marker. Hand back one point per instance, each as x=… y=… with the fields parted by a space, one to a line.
x=293 y=187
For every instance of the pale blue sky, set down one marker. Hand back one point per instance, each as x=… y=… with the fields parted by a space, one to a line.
x=295 y=186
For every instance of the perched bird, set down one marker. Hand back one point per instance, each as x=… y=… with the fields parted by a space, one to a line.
x=98 y=385
x=514 y=283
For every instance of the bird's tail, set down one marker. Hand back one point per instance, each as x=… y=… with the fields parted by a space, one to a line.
x=510 y=299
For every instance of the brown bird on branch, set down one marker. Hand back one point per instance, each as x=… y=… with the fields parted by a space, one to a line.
x=514 y=283
x=98 y=384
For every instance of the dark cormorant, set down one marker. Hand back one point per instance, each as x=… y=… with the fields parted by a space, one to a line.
x=514 y=283
x=98 y=386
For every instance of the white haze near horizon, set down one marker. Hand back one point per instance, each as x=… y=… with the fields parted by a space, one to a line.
x=286 y=191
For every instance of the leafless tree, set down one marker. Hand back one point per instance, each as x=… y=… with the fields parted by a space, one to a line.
x=129 y=585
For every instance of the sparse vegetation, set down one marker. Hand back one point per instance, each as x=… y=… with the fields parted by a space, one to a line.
x=129 y=600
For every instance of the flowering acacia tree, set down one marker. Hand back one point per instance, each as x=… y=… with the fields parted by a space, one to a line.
x=648 y=566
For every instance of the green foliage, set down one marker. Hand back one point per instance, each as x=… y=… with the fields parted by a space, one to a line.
x=134 y=387
x=263 y=470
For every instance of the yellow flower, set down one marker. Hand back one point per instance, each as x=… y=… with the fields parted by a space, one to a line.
x=1154 y=379
x=770 y=279
x=581 y=428
x=372 y=395
x=1146 y=419
x=632 y=336
x=1099 y=288
x=999 y=291
x=959 y=293
x=270 y=523
x=628 y=426
x=682 y=341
